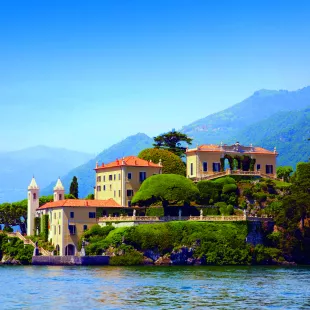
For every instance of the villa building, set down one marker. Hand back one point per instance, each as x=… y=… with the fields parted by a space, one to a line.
x=116 y=183
x=209 y=159
x=122 y=178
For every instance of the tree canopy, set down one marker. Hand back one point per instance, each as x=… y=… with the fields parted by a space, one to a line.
x=167 y=188
x=284 y=172
x=74 y=187
x=172 y=141
x=172 y=164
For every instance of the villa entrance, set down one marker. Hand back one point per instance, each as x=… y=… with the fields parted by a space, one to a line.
x=70 y=249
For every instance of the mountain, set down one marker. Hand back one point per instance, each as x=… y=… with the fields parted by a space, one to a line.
x=225 y=125
x=46 y=163
x=287 y=131
x=86 y=174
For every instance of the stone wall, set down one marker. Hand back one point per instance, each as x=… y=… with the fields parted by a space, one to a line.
x=70 y=260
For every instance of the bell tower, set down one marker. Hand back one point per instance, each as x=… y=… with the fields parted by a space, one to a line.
x=59 y=191
x=33 y=204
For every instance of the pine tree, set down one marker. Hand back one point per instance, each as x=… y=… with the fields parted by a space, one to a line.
x=74 y=187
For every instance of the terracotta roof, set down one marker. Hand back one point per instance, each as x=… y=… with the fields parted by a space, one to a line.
x=80 y=203
x=235 y=148
x=129 y=161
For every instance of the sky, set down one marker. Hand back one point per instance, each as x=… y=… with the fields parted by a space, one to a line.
x=86 y=74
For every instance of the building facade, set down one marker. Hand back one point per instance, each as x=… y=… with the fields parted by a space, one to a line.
x=209 y=159
x=121 y=179
x=67 y=218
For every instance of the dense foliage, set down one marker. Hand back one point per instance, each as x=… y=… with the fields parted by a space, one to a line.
x=172 y=164
x=166 y=188
x=173 y=141
x=284 y=172
x=15 y=248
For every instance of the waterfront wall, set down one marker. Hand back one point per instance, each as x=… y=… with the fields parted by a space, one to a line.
x=70 y=260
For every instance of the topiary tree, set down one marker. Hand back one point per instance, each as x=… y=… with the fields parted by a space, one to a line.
x=172 y=164
x=167 y=188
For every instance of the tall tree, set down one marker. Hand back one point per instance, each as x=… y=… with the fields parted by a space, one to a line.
x=74 y=187
x=172 y=141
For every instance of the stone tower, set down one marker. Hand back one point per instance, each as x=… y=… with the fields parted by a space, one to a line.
x=59 y=191
x=33 y=204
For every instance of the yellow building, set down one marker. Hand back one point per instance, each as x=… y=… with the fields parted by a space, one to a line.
x=209 y=159
x=122 y=178
x=67 y=218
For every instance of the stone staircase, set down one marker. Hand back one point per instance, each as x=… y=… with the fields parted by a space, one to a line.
x=27 y=242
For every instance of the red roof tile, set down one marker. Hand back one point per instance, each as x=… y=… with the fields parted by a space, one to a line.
x=129 y=161
x=228 y=148
x=111 y=203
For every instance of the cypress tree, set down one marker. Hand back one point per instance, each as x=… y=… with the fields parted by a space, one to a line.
x=74 y=187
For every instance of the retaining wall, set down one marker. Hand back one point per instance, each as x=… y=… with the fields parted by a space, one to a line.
x=70 y=260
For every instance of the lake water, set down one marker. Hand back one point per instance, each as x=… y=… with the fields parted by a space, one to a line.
x=34 y=287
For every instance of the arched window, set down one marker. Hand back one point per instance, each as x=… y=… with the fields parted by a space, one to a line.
x=34 y=196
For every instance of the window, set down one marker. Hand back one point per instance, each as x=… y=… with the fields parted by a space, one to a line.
x=258 y=167
x=119 y=193
x=110 y=187
x=92 y=215
x=72 y=229
x=59 y=214
x=104 y=178
x=205 y=166
x=129 y=192
x=129 y=203
x=110 y=177
x=84 y=227
x=216 y=167
x=58 y=229
x=60 y=197
x=129 y=175
x=114 y=177
x=54 y=215
x=119 y=176
x=114 y=193
x=71 y=215
x=192 y=169
x=269 y=169
x=142 y=176
x=98 y=188
x=34 y=196
x=55 y=230
x=99 y=179
x=104 y=187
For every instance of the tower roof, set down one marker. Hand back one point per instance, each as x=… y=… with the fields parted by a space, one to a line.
x=33 y=184
x=59 y=186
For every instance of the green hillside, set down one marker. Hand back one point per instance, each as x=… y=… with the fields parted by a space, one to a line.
x=225 y=125
x=287 y=131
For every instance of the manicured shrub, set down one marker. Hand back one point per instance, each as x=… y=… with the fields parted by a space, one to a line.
x=225 y=180
x=208 y=191
x=171 y=188
x=172 y=164
x=229 y=188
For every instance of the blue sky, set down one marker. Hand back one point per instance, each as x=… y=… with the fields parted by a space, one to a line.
x=86 y=74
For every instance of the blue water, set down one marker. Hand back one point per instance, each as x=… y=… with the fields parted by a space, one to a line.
x=32 y=287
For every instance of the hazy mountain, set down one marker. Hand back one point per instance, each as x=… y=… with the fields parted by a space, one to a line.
x=224 y=125
x=86 y=174
x=287 y=131
x=46 y=163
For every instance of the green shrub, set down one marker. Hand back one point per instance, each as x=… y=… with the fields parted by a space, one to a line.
x=229 y=188
x=209 y=192
x=171 y=188
x=44 y=226
x=260 y=197
x=155 y=211
x=211 y=211
x=172 y=164
x=225 y=180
